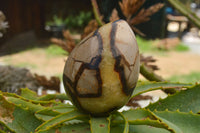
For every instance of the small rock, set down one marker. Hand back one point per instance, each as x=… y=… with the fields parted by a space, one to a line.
x=12 y=79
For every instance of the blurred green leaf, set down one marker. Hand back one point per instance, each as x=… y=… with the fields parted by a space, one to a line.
x=193 y=77
x=54 y=50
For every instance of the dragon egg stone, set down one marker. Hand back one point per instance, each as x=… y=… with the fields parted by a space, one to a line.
x=101 y=72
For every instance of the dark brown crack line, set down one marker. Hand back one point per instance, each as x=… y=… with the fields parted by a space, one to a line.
x=118 y=57
x=93 y=65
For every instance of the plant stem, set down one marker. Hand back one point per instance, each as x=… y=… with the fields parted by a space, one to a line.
x=186 y=12
x=96 y=12
x=149 y=74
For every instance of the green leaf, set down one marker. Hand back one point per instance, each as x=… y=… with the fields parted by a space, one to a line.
x=140 y=117
x=49 y=113
x=1 y=131
x=24 y=104
x=146 y=129
x=15 y=118
x=137 y=114
x=139 y=129
x=31 y=96
x=6 y=114
x=24 y=121
x=35 y=101
x=28 y=94
x=71 y=128
x=99 y=124
x=185 y=101
x=179 y=121
x=76 y=128
x=53 y=97
x=6 y=110
x=126 y=124
x=4 y=128
x=61 y=119
x=143 y=87
x=63 y=108
x=46 y=114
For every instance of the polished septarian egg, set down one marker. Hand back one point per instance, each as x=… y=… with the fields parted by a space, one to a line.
x=101 y=72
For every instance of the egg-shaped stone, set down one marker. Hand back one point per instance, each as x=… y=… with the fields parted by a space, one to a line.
x=101 y=72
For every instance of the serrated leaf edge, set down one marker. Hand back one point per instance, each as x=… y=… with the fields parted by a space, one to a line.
x=40 y=128
x=160 y=87
x=170 y=95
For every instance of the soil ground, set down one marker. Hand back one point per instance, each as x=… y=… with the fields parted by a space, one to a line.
x=37 y=61
x=178 y=63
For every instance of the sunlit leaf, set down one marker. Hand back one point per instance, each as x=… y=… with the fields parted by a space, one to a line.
x=185 y=101
x=24 y=121
x=71 y=128
x=53 y=97
x=61 y=119
x=140 y=117
x=179 y=121
x=25 y=98
x=143 y=87
x=139 y=129
x=28 y=94
x=49 y=113
x=76 y=128
x=25 y=104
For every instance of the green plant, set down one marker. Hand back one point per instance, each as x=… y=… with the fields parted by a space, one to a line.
x=181 y=48
x=177 y=113
x=147 y=46
x=144 y=45
x=189 y=78
x=54 y=50
x=56 y=21
x=79 y=21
